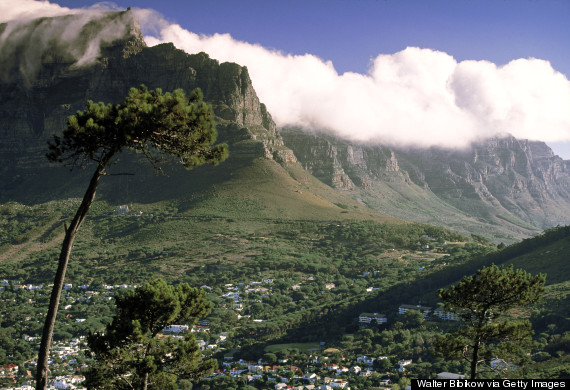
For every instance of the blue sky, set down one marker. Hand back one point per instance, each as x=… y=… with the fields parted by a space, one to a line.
x=351 y=34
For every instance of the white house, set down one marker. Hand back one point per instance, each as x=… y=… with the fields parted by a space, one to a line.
x=366 y=373
x=177 y=328
x=403 y=363
x=367 y=318
x=339 y=384
x=67 y=382
x=425 y=310
x=255 y=368
x=333 y=367
x=446 y=315
x=365 y=360
x=311 y=377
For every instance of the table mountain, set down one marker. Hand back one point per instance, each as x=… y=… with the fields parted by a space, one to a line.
x=36 y=100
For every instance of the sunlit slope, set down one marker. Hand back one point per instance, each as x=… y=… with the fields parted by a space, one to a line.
x=265 y=189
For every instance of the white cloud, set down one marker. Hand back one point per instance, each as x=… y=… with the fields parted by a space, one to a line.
x=30 y=34
x=29 y=9
x=419 y=97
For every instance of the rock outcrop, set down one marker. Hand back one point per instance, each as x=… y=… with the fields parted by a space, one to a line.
x=35 y=103
x=502 y=182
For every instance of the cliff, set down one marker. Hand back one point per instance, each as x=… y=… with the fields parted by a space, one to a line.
x=505 y=187
x=36 y=100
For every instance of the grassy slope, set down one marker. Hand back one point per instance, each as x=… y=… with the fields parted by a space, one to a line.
x=551 y=258
x=219 y=213
x=408 y=201
x=267 y=190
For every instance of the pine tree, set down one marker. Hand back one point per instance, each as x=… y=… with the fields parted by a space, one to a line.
x=147 y=121
x=482 y=300
x=130 y=355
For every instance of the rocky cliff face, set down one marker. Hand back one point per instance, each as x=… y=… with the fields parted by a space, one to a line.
x=35 y=106
x=517 y=177
x=499 y=182
x=35 y=102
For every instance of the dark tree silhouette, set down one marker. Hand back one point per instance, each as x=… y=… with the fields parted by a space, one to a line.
x=481 y=300
x=148 y=121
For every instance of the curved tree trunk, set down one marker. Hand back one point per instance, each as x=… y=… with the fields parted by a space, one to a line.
x=70 y=233
x=474 y=361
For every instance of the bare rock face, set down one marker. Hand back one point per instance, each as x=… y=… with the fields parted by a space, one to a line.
x=37 y=97
x=341 y=164
x=500 y=182
x=39 y=103
x=522 y=177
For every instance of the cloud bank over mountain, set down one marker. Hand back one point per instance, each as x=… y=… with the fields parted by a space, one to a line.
x=30 y=36
x=415 y=97
x=21 y=10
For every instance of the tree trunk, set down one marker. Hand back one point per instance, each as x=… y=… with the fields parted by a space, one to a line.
x=475 y=359
x=70 y=233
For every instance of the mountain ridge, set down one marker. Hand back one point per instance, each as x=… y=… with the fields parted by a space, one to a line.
x=519 y=184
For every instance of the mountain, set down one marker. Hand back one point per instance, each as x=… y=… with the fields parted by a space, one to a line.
x=35 y=104
x=506 y=189
x=34 y=110
x=297 y=210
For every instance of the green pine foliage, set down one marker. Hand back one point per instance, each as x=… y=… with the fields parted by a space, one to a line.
x=481 y=300
x=147 y=121
x=129 y=354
